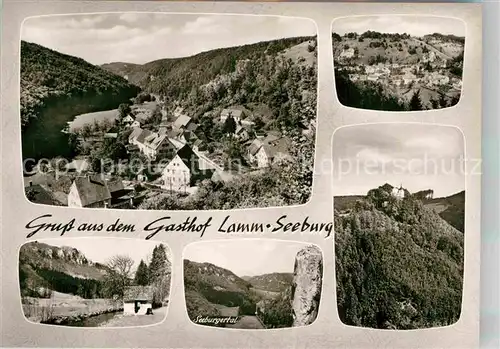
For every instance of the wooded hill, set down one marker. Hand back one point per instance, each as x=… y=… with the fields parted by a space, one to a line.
x=49 y=77
x=264 y=73
x=450 y=208
x=399 y=265
x=207 y=285
x=273 y=282
x=211 y=291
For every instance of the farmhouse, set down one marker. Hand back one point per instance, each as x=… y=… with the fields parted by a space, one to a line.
x=138 y=300
x=128 y=119
x=184 y=170
x=96 y=192
x=266 y=152
x=151 y=144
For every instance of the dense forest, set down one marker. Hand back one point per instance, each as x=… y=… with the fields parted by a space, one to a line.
x=399 y=265
x=48 y=76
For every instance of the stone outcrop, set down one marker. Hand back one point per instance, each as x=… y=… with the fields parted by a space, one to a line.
x=306 y=288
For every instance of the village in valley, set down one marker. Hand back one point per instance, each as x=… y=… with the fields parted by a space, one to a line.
x=170 y=157
x=418 y=73
x=209 y=128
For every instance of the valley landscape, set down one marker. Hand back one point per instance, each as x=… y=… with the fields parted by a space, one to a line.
x=59 y=285
x=229 y=127
x=398 y=71
x=216 y=296
x=399 y=244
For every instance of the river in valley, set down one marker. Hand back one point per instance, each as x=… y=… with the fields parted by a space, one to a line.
x=43 y=137
x=95 y=321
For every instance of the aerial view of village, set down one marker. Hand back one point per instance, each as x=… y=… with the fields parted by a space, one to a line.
x=398 y=63
x=94 y=282
x=222 y=121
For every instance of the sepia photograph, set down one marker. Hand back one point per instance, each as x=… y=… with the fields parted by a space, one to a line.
x=227 y=285
x=399 y=208
x=159 y=111
x=398 y=63
x=95 y=282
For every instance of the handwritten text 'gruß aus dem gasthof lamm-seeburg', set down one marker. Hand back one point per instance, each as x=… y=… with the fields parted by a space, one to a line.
x=167 y=224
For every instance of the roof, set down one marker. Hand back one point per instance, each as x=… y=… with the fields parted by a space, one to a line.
x=234 y=112
x=38 y=194
x=92 y=189
x=136 y=131
x=188 y=157
x=143 y=135
x=138 y=293
x=254 y=146
x=182 y=121
x=115 y=185
x=158 y=140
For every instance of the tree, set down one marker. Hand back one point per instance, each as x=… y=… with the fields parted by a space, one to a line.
x=123 y=110
x=142 y=274
x=118 y=275
x=159 y=275
x=415 y=102
x=230 y=125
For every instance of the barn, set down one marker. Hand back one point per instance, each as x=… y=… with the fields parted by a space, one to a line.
x=138 y=300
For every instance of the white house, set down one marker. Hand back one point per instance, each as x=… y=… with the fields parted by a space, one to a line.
x=184 y=170
x=266 y=152
x=128 y=119
x=153 y=145
x=398 y=193
x=96 y=192
x=138 y=300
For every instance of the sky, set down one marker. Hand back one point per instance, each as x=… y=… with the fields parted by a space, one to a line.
x=101 y=250
x=247 y=257
x=134 y=37
x=416 y=156
x=413 y=25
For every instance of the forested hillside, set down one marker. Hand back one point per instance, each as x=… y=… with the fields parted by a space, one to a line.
x=207 y=285
x=274 y=282
x=275 y=82
x=49 y=77
x=399 y=265
x=44 y=268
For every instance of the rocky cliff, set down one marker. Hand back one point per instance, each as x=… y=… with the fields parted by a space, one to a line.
x=306 y=289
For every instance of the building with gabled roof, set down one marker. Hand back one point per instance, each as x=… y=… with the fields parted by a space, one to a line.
x=96 y=192
x=270 y=150
x=184 y=170
x=154 y=146
x=138 y=300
